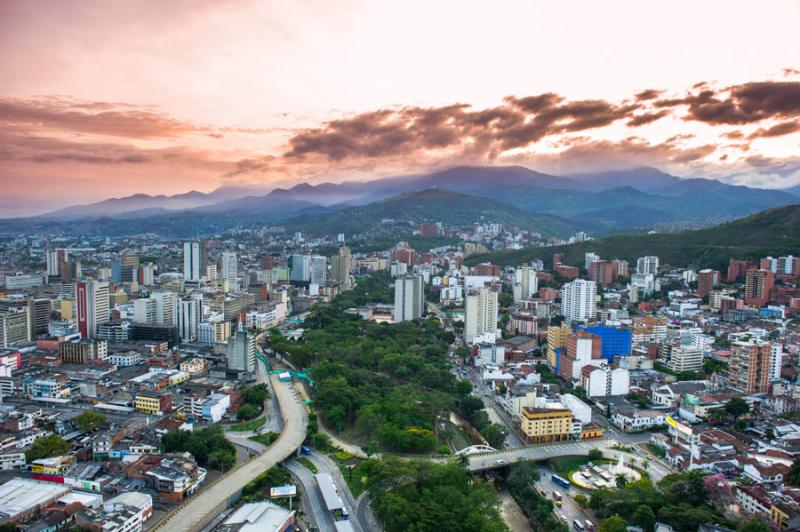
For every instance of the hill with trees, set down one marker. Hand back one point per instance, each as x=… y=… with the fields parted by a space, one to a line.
x=772 y=232
x=433 y=205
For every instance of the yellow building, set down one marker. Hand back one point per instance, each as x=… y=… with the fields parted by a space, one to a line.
x=178 y=377
x=556 y=339
x=65 y=308
x=546 y=424
x=55 y=465
x=152 y=403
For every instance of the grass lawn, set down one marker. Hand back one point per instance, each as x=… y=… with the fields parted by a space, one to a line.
x=565 y=465
x=253 y=424
x=307 y=464
x=354 y=478
x=264 y=439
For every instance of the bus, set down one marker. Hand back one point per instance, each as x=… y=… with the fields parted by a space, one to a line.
x=560 y=481
x=557 y=497
x=577 y=525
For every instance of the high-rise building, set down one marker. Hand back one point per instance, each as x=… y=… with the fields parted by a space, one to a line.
x=749 y=367
x=583 y=348
x=480 y=312
x=409 y=298
x=189 y=316
x=738 y=268
x=160 y=308
x=194 y=260
x=776 y=361
x=525 y=283
x=647 y=265
x=92 y=302
x=242 y=351
x=615 y=341
x=589 y=258
x=56 y=259
x=301 y=268
x=230 y=265
x=621 y=268
x=601 y=272
x=578 y=300
x=14 y=326
x=685 y=357
x=706 y=281
x=757 y=286
x=341 y=264
x=318 y=273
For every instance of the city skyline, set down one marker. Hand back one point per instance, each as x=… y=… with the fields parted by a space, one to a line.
x=101 y=102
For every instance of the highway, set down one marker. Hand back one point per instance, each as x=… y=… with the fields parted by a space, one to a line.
x=569 y=508
x=211 y=500
x=313 y=503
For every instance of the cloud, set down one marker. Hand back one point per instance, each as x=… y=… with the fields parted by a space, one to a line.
x=103 y=118
x=778 y=130
x=747 y=103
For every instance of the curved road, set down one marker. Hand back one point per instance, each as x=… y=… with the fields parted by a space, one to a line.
x=202 y=507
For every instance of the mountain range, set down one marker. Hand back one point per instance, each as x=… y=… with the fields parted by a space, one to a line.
x=635 y=199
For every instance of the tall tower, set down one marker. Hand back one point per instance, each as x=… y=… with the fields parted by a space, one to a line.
x=409 y=298
x=480 y=312
x=194 y=260
x=92 y=302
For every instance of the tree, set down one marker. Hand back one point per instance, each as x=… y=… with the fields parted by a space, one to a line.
x=221 y=460
x=495 y=435
x=246 y=411
x=737 y=407
x=47 y=446
x=581 y=500
x=794 y=473
x=595 y=455
x=612 y=524
x=88 y=421
x=256 y=395
x=644 y=517
x=752 y=525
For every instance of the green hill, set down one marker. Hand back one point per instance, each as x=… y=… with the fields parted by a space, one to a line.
x=772 y=232
x=432 y=205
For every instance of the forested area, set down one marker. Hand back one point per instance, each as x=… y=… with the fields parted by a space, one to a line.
x=415 y=495
x=384 y=384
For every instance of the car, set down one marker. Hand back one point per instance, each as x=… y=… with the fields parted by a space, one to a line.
x=501 y=461
x=563 y=518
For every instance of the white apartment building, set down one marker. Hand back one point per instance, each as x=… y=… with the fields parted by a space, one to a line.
x=480 y=312
x=685 y=357
x=578 y=300
x=647 y=265
x=525 y=283
x=409 y=298
x=230 y=265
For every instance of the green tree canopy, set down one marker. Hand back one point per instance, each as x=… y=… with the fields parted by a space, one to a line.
x=89 y=420
x=48 y=446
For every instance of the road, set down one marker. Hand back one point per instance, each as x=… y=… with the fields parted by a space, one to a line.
x=313 y=502
x=362 y=521
x=203 y=506
x=568 y=507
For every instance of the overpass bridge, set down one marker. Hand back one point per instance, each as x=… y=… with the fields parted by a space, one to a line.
x=202 y=507
x=544 y=451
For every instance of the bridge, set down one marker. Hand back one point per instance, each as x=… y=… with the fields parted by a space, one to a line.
x=540 y=452
x=211 y=500
x=475 y=449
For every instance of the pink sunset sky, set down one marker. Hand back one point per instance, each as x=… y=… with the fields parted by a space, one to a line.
x=111 y=98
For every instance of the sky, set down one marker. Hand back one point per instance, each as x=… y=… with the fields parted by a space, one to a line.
x=107 y=98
